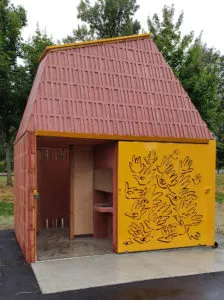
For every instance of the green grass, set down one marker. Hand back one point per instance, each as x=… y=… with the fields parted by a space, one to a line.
x=6 y=193
x=6 y=209
x=220 y=180
x=6 y=204
x=3 y=180
x=219 y=197
x=220 y=188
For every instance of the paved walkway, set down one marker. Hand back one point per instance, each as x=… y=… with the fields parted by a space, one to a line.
x=17 y=281
x=93 y=271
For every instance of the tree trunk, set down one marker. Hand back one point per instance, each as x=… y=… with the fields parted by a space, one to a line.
x=8 y=164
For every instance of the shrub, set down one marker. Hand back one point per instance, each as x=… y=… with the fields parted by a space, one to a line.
x=2 y=166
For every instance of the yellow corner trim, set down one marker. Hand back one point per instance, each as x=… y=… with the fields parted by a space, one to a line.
x=94 y=42
x=119 y=137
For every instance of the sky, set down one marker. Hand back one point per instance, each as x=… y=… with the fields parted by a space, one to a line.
x=58 y=17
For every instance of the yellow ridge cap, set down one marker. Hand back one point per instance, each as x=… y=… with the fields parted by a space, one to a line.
x=94 y=42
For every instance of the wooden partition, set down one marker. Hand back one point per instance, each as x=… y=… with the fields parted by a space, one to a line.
x=24 y=202
x=103 y=180
x=105 y=192
x=81 y=190
x=53 y=186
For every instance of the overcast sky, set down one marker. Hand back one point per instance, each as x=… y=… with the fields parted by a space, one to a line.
x=58 y=17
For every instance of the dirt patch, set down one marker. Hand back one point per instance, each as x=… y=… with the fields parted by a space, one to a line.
x=6 y=222
x=6 y=194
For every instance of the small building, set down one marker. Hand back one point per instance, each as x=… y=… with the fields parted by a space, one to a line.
x=111 y=148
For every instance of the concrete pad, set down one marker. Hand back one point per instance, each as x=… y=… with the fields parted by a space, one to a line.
x=100 y=270
x=53 y=243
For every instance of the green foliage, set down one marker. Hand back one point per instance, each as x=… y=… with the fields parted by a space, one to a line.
x=2 y=152
x=220 y=120
x=6 y=209
x=80 y=34
x=168 y=38
x=15 y=80
x=2 y=166
x=105 y=19
x=32 y=51
x=196 y=66
x=199 y=75
x=12 y=21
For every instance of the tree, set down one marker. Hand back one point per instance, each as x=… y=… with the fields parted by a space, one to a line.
x=32 y=51
x=168 y=38
x=15 y=80
x=195 y=65
x=11 y=113
x=12 y=20
x=220 y=120
x=200 y=76
x=105 y=19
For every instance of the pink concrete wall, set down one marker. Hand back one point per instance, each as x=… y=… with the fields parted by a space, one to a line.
x=24 y=202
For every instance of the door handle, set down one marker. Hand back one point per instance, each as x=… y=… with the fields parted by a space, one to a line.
x=36 y=195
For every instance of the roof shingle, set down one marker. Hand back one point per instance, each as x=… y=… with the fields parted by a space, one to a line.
x=120 y=88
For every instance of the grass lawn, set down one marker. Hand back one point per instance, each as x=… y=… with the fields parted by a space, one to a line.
x=6 y=193
x=6 y=209
x=3 y=180
x=220 y=188
x=6 y=204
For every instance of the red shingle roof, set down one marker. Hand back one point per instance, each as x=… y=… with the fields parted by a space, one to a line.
x=122 y=88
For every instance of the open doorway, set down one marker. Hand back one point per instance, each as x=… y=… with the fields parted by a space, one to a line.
x=54 y=201
x=70 y=222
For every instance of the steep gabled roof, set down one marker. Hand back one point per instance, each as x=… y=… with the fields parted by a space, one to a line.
x=115 y=87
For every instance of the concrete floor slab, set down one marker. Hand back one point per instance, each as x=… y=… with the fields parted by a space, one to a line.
x=100 y=270
x=18 y=282
x=54 y=243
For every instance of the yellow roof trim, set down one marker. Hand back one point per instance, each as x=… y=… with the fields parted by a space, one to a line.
x=94 y=42
x=119 y=137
